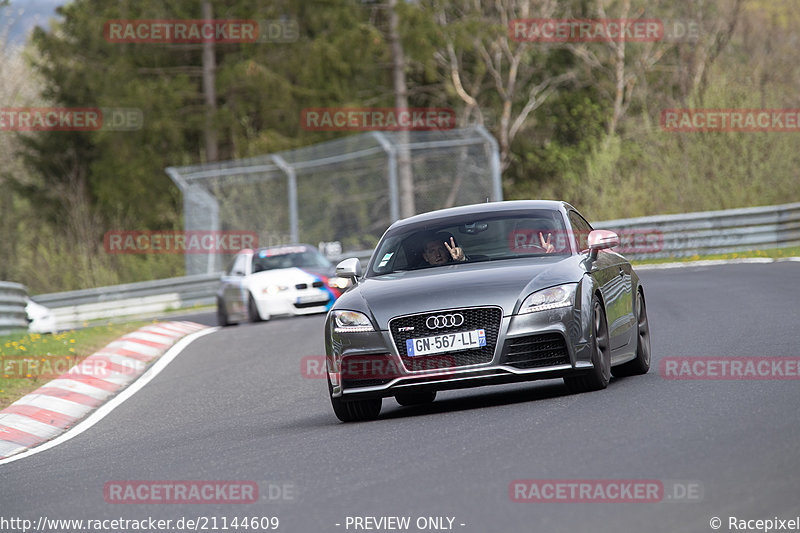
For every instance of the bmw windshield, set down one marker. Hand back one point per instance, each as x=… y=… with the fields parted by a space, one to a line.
x=295 y=256
x=468 y=238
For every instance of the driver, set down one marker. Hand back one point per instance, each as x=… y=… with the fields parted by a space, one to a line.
x=438 y=250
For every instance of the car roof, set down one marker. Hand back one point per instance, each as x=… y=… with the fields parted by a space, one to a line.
x=280 y=247
x=484 y=208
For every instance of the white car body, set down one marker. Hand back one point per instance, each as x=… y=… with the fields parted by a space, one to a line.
x=41 y=319
x=246 y=293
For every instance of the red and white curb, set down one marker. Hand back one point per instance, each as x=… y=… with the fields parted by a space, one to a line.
x=63 y=402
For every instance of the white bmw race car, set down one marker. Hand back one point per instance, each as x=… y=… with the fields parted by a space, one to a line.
x=281 y=280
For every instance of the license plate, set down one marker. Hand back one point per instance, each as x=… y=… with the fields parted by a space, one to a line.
x=447 y=342
x=312 y=298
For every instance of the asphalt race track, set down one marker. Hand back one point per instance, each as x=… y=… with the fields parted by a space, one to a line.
x=235 y=406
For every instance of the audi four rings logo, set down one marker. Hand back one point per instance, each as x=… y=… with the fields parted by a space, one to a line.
x=444 y=321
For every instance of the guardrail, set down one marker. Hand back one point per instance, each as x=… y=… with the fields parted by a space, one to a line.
x=712 y=232
x=146 y=298
x=681 y=235
x=141 y=299
x=13 y=298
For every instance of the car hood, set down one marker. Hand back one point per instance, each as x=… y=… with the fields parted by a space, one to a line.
x=501 y=283
x=283 y=276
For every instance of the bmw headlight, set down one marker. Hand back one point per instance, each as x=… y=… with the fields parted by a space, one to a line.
x=552 y=298
x=274 y=289
x=350 y=322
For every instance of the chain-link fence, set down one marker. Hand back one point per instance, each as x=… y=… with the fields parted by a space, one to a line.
x=344 y=190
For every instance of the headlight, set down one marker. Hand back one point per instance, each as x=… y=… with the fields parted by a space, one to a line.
x=350 y=322
x=552 y=298
x=338 y=283
x=275 y=289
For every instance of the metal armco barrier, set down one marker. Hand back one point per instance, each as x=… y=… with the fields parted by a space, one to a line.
x=146 y=298
x=711 y=232
x=680 y=236
x=13 y=298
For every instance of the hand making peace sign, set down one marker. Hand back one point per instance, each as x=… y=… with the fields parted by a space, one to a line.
x=548 y=248
x=455 y=251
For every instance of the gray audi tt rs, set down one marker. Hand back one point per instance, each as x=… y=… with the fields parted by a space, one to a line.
x=484 y=294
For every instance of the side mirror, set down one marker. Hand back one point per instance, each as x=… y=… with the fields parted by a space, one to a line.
x=601 y=239
x=349 y=268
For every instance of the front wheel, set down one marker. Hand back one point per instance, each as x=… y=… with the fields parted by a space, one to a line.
x=355 y=410
x=252 y=310
x=641 y=364
x=222 y=314
x=600 y=374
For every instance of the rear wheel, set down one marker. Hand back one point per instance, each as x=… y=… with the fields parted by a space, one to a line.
x=355 y=410
x=415 y=398
x=600 y=375
x=641 y=364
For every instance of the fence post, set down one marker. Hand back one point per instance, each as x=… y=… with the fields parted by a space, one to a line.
x=391 y=154
x=494 y=162
x=294 y=231
x=194 y=193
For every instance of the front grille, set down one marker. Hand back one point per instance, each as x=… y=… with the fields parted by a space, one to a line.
x=317 y=284
x=486 y=318
x=368 y=370
x=534 y=351
x=312 y=304
x=301 y=286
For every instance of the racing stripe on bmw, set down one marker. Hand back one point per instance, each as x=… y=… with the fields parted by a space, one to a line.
x=331 y=296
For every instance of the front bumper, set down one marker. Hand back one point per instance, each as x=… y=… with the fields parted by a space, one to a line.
x=294 y=302
x=541 y=345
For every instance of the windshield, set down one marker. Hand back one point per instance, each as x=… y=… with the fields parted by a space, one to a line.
x=536 y=233
x=299 y=257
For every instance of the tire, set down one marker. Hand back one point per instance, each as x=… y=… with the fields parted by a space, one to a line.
x=355 y=410
x=600 y=375
x=641 y=364
x=222 y=315
x=415 y=398
x=252 y=310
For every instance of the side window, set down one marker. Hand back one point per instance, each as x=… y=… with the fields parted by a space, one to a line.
x=229 y=270
x=238 y=266
x=581 y=229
